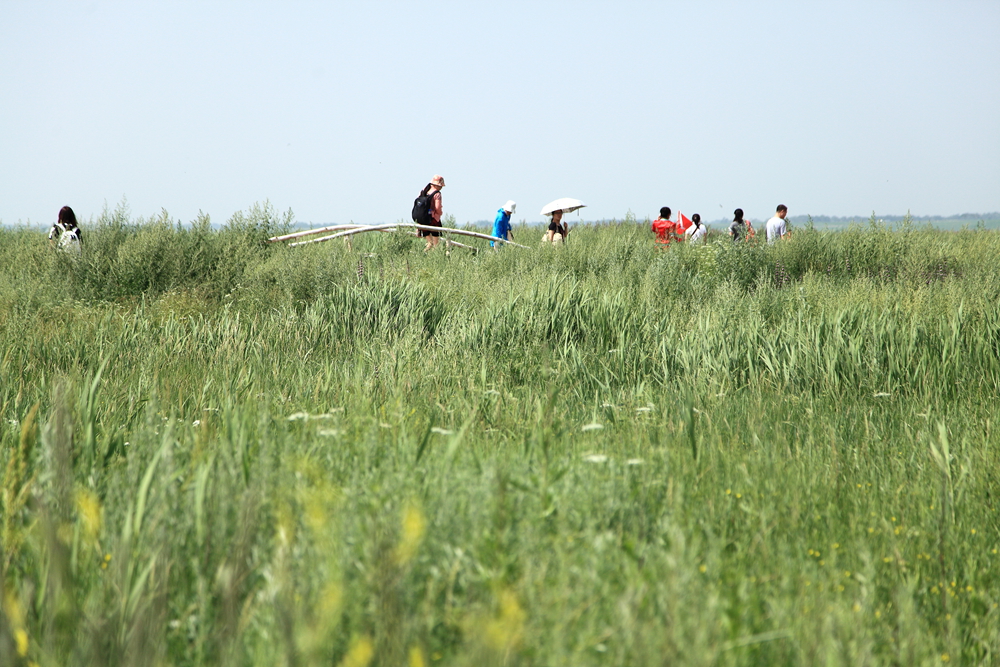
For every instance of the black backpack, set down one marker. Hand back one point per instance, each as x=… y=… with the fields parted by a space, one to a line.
x=422 y=205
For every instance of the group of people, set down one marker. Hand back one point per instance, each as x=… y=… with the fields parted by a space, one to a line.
x=740 y=229
x=427 y=210
x=668 y=231
x=428 y=207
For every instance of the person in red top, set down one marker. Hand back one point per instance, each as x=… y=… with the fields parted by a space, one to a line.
x=666 y=229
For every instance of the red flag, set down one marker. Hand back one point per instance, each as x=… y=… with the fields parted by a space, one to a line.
x=683 y=222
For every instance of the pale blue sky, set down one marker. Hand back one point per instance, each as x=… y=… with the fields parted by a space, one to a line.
x=344 y=110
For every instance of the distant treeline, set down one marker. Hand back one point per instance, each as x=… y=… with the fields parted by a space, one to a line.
x=835 y=220
x=821 y=220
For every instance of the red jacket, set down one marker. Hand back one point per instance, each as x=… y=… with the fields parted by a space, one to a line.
x=666 y=231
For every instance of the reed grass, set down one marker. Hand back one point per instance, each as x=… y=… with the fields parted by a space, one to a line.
x=221 y=452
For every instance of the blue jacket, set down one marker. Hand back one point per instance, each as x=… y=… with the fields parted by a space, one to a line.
x=501 y=225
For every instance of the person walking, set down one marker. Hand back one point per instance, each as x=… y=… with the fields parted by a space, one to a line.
x=434 y=210
x=65 y=234
x=501 y=225
x=556 y=228
x=776 y=227
x=697 y=230
x=738 y=228
x=665 y=228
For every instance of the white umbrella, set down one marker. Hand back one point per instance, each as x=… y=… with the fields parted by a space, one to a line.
x=566 y=205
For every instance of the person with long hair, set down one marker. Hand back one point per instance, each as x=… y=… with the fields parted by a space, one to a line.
x=697 y=230
x=738 y=228
x=65 y=234
x=556 y=227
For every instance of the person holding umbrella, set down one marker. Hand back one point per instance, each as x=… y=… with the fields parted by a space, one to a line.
x=501 y=225
x=556 y=225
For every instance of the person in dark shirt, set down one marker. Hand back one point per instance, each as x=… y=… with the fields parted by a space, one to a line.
x=738 y=228
x=557 y=228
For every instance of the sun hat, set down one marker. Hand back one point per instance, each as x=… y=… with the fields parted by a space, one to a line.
x=438 y=180
x=510 y=206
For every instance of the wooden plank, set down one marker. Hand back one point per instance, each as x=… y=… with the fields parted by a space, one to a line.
x=402 y=225
x=309 y=232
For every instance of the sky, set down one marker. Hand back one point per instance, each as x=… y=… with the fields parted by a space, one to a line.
x=343 y=111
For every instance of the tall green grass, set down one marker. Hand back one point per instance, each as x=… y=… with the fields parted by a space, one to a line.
x=217 y=451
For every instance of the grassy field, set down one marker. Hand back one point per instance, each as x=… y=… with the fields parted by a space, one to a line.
x=219 y=452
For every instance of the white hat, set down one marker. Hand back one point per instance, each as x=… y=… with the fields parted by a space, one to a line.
x=510 y=206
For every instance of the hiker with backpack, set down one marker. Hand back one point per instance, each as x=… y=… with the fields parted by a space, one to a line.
x=427 y=210
x=65 y=233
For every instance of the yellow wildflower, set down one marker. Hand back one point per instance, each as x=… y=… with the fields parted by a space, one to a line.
x=88 y=508
x=360 y=653
x=414 y=525
x=506 y=630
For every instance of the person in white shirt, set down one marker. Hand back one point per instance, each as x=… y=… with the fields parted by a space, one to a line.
x=776 y=227
x=697 y=230
x=65 y=234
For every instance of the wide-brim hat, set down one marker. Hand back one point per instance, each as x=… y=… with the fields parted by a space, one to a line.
x=438 y=180
x=510 y=206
